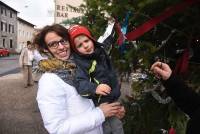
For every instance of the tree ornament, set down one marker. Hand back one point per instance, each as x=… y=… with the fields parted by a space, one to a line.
x=172 y=131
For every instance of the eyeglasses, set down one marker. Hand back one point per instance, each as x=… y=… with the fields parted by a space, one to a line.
x=55 y=44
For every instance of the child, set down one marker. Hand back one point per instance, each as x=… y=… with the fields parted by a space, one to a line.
x=95 y=77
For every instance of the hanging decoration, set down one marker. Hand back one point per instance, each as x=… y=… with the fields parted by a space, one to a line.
x=121 y=36
x=156 y=95
x=154 y=21
x=122 y=46
x=108 y=37
x=172 y=131
x=182 y=63
x=163 y=43
x=109 y=32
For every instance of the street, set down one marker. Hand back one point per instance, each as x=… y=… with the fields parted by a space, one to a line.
x=9 y=65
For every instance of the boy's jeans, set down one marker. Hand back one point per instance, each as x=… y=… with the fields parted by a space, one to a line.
x=113 y=125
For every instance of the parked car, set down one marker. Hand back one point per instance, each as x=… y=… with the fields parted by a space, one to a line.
x=4 y=52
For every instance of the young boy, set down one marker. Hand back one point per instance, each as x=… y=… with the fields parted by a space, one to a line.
x=95 y=77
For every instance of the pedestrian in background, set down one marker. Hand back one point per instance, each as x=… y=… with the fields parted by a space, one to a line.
x=36 y=59
x=25 y=62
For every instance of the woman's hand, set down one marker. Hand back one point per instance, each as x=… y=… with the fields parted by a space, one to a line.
x=110 y=109
x=161 y=70
x=121 y=112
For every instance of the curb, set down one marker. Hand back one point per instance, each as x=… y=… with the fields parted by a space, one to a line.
x=11 y=76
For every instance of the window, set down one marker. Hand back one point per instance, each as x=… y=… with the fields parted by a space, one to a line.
x=11 y=14
x=6 y=27
x=1 y=10
x=1 y=26
x=13 y=29
x=9 y=28
x=5 y=12
x=19 y=32
x=3 y=42
x=11 y=43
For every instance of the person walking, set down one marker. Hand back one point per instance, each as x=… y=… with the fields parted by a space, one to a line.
x=25 y=62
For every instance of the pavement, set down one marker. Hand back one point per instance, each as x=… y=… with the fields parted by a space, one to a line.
x=19 y=113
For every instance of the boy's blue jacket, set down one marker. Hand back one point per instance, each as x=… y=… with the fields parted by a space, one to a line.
x=104 y=73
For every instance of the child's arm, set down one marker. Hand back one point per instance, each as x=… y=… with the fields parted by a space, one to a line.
x=82 y=83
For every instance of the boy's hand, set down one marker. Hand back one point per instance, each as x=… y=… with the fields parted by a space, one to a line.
x=103 y=89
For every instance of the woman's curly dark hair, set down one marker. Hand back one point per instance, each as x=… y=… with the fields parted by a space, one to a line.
x=39 y=39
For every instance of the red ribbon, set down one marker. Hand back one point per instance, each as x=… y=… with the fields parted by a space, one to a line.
x=121 y=37
x=152 y=22
x=182 y=63
x=172 y=131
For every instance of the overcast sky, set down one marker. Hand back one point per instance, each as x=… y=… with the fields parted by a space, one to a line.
x=37 y=12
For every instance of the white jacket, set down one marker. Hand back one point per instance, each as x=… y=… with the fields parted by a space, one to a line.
x=26 y=57
x=64 y=111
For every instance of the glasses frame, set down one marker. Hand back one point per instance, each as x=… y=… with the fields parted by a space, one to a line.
x=55 y=44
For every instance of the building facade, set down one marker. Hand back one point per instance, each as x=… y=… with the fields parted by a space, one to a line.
x=25 y=33
x=67 y=9
x=8 y=27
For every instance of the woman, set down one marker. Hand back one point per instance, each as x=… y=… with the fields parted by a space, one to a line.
x=63 y=110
